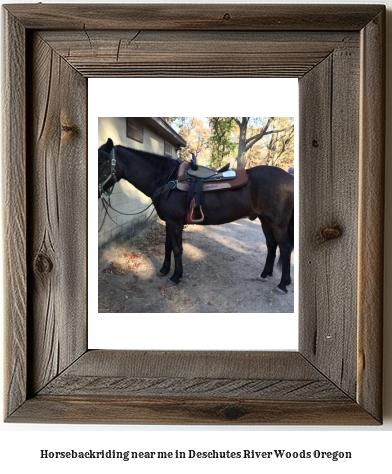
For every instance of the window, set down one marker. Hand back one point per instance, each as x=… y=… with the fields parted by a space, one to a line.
x=134 y=129
x=168 y=149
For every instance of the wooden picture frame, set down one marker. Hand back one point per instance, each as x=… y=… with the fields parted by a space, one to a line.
x=338 y=54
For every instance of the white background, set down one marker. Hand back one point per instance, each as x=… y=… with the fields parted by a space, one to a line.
x=20 y=444
x=202 y=98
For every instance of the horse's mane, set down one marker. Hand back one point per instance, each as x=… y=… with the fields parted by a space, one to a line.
x=159 y=160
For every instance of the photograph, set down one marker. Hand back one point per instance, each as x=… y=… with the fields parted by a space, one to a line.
x=196 y=214
x=212 y=235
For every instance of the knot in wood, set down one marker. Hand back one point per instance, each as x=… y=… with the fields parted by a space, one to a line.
x=43 y=264
x=315 y=143
x=232 y=413
x=69 y=129
x=227 y=16
x=328 y=233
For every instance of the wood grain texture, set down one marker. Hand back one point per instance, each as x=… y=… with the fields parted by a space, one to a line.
x=103 y=409
x=194 y=17
x=329 y=98
x=193 y=53
x=193 y=387
x=371 y=216
x=208 y=364
x=201 y=387
x=336 y=376
x=206 y=374
x=14 y=209
x=56 y=215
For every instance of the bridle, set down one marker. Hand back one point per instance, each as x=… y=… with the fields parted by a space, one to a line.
x=165 y=189
x=112 y=175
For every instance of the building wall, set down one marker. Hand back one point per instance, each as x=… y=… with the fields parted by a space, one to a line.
x=125 y=197
x=116 y=129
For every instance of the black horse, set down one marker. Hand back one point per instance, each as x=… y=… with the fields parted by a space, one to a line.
x=268 y=195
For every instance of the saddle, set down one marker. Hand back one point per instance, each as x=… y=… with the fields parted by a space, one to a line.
x=197 y=180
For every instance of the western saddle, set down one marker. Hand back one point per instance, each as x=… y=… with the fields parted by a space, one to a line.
x=196 y=180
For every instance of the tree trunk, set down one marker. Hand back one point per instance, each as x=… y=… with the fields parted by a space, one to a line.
x=242 y=142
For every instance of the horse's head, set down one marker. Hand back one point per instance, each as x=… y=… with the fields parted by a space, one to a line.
x=106 y=167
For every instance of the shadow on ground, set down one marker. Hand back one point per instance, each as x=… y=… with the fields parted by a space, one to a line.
x=221 y=265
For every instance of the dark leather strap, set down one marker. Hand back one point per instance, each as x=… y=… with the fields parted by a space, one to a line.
x=199 y=194
x=191 y=192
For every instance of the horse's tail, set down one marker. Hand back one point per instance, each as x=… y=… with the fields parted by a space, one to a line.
x=290 y=229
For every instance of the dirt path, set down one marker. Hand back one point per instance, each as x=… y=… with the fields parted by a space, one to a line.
x=221 y=265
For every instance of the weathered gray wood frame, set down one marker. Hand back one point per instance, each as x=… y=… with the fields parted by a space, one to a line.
x=337 y=52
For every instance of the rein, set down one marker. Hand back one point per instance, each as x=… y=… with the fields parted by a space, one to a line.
x=168 y=186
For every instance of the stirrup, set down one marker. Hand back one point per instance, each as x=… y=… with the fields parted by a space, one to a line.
x=196 y=221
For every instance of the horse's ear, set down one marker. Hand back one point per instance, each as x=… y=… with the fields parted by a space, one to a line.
x=107 y=146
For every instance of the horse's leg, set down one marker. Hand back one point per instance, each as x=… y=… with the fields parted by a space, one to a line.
x=271 y=248
x=285 y=249
x=175 y=232
x=168 y=251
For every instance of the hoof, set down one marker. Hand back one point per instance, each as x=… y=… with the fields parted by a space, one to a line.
x=163 y=271
x=280 y=292
x=261 y=278
x=174 y=280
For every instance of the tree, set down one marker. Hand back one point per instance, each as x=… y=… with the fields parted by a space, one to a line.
x=221 y=142
x=264 y=126
x=280 y=145
x=255 y=140
x=175 y=122
x=274 y=149
x=196 y=132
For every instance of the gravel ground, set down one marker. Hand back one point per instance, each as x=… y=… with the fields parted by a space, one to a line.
x=221 y=265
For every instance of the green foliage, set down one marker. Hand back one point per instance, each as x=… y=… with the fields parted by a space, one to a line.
x=222 y=142
x=195 y=131
x=244 y=141
x=280 y=145
x=265 y=141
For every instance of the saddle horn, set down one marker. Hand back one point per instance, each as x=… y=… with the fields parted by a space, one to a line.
x=194 y=165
